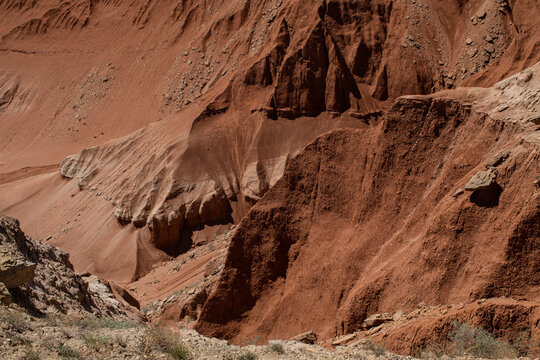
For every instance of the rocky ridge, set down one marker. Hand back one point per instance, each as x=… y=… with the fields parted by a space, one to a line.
x=310 y=219
x=40 y=278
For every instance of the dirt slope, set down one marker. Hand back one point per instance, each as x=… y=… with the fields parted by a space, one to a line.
x=168 y=120
x=368 y=221
x=227 y=78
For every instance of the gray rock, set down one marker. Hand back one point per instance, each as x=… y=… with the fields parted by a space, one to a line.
x=482 y=180
x=5 y=296
x=307 y=338
x=376 y=320
x=498 y=159
x=15 y=269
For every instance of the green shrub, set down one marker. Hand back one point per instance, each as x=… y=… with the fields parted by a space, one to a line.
x=92 y=322
x=160 y=339
x=68 y=353
x=478 y=342
x=16 y=321
x=277 y=348
x=179 y=351
x=31 y=354
x=248 y=356
x=374 y=348
x=96 y=342
x=466 y=340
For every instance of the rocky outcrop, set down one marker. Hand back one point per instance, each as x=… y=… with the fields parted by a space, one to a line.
x=307 y=338
x=307 y=252
x=427 y=327
x=5 y=296
x=482 y=180
x=376 y=320
x=15 y=269
x=47 y=283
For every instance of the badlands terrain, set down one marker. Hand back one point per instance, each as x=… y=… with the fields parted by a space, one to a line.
x=269 y=178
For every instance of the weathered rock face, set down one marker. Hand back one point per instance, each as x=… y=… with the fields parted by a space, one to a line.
x=365 y=221
x=5 y=296
x=237 y=84
x=482 y=180
x=50 y=285
x=15 y=269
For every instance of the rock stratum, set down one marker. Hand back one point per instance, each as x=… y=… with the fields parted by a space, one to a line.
x=374 y=154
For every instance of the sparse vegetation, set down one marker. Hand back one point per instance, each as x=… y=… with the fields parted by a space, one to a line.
x=16 y=321
x=466 y=340
x=247 y=356
x=96 y=342
x=277 y=348
x=92 y=322
x=374 y=348
x=67 y=352
x=163 y=340
x=31 y=354
x=179 y=351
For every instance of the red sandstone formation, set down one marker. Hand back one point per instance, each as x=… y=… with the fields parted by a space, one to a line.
x=170 y=121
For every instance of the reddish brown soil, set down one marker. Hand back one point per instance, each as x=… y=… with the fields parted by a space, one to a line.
x=512 y=320
x=183 y=115
x=369 y=216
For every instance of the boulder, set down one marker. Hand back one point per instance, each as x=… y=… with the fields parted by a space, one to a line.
x=482 y=180
x=343 y=340
x=5 y=296
x=498 y=159
x=376 y=320
x=307 y=338
x=15 y=269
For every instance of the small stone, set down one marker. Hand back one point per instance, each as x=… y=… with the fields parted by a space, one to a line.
x=502 y=107
x=472 y=52
x=489 y=48
x=342 y=340
x=398 y=315
x=468 y=41
x=481 y=14
x=489 y=39
x=458 y=193
x=498 y=159
x=482 y=180
x=307 y=338
x=536 y=182
x=524 y=77
x=376 y=320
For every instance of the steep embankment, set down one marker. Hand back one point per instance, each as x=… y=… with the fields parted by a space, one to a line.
x=377 y=220
x=239 y=88
x=237 y=73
